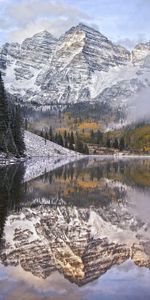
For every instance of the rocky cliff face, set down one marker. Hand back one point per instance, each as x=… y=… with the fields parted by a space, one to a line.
x=21 y=64
x=141 y=54
x=82 y=66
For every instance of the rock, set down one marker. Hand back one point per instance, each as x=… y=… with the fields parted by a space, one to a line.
x=139 y=255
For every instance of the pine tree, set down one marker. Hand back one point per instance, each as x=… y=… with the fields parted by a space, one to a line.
x=79 y=147
x=42 y=134
x=108 y=143
x=71 y=147
x=17 y=130
x=72 y=138
x=46 y=135
x=86 y=149
x=122 y=144
x=92 y=136
x=56 y=138
x=116 y=144
x=65 y=143
x=4 y=117
x=60 y=140
x=26 y=124
x=68 y=137
x=11 y=126
x=7 y=143
x=99 y=137
x=65 y=134
x=50 y=134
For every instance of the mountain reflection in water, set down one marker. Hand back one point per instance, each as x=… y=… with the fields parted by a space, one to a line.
x=80 y=220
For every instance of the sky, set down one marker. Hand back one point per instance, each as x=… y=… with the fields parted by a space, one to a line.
x=126 y=22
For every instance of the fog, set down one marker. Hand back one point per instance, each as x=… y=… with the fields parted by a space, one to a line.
x=139 y=109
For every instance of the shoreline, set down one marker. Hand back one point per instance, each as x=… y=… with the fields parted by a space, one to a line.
x=12 y=160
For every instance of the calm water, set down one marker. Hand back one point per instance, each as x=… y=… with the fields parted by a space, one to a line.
x=81 y=231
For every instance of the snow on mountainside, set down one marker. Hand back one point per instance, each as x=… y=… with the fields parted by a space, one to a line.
x=45 y=155
x=83 y=65
x=36 y=146
x=21 y=64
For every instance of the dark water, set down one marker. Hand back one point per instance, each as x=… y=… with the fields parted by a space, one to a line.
x=81 y=231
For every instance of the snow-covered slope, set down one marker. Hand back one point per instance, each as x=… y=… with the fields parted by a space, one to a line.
x=36 y=146
x=46 y=156
x=83 y=65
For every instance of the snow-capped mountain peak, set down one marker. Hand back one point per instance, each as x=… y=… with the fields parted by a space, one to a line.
x=81 y=66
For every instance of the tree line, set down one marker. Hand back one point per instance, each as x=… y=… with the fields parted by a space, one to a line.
x=11 y=125
x=68 y=140
x=101 y=139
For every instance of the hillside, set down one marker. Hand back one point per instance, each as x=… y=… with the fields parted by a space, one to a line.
x=37 y=146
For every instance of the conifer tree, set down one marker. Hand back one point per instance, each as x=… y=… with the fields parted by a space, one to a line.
x=51 y=134
x=86 y=149
x=92 y=135
x=122 y=144
x=42 y=134
x=60 y=140
x=72 y=138
x=65 y=134
x=65 y=143
x=11 y=126
x=4 y=117
x=71 y=147
x=108 y=143
x=56 y=138
x=17 y=130
x=116 y=144
x=79 y=147
x=7 y=143
x=26 y=124
x=46 y=135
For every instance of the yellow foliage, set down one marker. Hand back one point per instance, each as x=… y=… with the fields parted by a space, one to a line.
x=136 y=138
x=62 y=130
x=140 y=137
x=146 y=149
x=90 y=126
x=69 y=191
x=88 y=184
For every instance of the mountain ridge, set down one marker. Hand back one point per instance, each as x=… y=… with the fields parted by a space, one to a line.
x=81 y=66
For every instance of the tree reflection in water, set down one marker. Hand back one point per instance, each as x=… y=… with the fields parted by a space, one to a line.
x=11 y=191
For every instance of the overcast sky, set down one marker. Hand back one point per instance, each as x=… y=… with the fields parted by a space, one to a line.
x=123 y=21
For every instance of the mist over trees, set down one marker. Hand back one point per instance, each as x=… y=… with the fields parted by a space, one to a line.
x=11 y=126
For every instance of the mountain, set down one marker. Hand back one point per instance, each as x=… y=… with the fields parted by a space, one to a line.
x=82 y=66
x=21 y=64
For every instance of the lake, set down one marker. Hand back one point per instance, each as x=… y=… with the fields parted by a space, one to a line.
x=79 y=232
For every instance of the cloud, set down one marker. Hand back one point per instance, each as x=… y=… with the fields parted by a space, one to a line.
x=56 y=27
x=119 y=20
x=22 y=19
x=3 y=22
x=131 y=43
x=26 y=10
